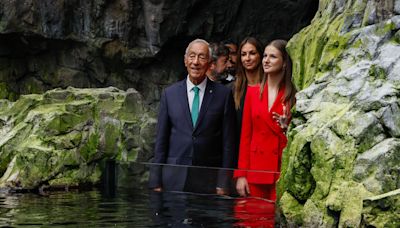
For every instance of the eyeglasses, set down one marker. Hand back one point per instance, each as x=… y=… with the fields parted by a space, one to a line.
x=201 y=57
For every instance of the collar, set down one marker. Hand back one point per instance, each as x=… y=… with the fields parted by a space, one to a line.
x=190 y=85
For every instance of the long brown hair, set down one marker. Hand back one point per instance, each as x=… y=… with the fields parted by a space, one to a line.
x=286 y=82
x=241 y=79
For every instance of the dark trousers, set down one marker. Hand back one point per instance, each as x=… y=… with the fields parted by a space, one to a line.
x=201 y=180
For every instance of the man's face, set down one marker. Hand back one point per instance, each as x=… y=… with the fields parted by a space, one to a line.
x=197 y=62
x=232 y=61
x=220 y=64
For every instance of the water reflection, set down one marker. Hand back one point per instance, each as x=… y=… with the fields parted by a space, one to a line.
x=131 y=204
x=90 y=208
x=191 y=210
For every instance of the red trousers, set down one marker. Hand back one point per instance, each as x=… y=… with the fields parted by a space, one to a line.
x=266 y=191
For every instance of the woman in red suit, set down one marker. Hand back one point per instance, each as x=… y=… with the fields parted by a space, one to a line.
x=249 y=74
x=266 y=116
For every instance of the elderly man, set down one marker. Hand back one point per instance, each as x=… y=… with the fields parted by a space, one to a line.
x=196 y=127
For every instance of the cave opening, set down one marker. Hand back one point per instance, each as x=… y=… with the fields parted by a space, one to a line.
x=36 y=57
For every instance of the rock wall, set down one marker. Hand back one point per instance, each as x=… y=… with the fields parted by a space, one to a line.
x=341 y=167
x=46 y=44
x=62 y=138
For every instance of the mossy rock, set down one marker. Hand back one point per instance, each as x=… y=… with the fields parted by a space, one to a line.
x=343 y=146
x=59 y=137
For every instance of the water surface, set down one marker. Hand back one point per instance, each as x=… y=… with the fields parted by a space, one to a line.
x=128 y=203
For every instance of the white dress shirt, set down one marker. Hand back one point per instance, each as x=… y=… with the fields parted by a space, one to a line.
x=190 y=92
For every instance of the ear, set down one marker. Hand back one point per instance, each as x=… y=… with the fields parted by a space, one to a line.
x=185 y=61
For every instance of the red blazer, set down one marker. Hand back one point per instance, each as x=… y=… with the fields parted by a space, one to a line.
x=262 y=140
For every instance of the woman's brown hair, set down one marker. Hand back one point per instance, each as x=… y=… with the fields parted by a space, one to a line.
x=286 y=82
x=241 y=79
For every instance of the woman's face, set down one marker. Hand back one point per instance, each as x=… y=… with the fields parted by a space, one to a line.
x=249 y=57
x=272 y=61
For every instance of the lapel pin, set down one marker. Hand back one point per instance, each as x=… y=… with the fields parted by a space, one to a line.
x=210 y=90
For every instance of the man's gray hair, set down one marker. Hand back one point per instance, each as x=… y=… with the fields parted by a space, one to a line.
x=199 y=41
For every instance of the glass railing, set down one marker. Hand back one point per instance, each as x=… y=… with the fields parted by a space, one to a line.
x=190 y=199
x=191 y=194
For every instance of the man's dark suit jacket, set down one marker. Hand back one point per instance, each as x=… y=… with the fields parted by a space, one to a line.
x=210 y=143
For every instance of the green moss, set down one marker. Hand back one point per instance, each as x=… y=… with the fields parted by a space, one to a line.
x=283 y=182
x=292 y=209
x=382 y=210
x=8 y=178
x=95 y=175
x=22 y=106
x=110 y=106
x=113 y=135
x=314 y=215
x=64 y=123
x=59 y=137
x=315 y=49
x=332 y=51
x=396 y=37
x=296 y=177
x=3 y=91
x=5 y=159
x=68 y=178
x=329 y=140
x=387 y=28
x=63 y=142
x=376 y=72
x=33 y=87
x=344 y=124
x=88 y=151
x=351 y=196
x=37 y=166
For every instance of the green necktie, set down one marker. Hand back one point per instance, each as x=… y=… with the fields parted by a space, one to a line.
x=195 y=105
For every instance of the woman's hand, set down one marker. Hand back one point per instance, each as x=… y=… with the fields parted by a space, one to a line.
x=282 y=120
x=242 y=186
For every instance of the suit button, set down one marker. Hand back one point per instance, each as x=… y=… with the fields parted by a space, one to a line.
x=193 y=137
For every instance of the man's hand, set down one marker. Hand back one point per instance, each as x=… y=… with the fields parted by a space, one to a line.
x=221 y=191
x=242 y=186
x=159 y=189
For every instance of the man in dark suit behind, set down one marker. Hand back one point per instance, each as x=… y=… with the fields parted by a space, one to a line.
x=196 y=127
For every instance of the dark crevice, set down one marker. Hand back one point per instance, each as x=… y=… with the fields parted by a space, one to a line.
x=302 y=183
